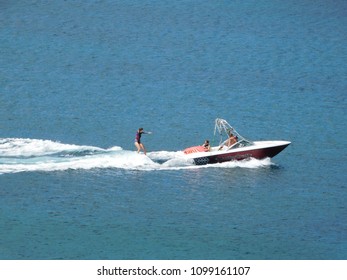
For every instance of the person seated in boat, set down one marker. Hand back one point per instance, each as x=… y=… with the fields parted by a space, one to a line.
x=231 y=141
x=206 y=145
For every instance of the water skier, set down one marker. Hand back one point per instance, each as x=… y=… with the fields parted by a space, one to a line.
x=138 y=143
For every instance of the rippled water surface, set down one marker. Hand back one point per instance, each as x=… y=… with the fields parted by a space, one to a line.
x=77 y=80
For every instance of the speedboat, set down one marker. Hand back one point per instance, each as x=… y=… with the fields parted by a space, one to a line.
x=232 y=146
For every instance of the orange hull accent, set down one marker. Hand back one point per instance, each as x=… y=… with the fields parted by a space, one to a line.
x=195 y=149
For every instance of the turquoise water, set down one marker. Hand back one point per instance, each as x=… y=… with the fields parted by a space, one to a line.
x=78 y=78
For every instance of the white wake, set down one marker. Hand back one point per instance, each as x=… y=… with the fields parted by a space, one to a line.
x=28 y=155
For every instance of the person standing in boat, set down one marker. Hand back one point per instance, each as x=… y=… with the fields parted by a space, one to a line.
x=138 y=143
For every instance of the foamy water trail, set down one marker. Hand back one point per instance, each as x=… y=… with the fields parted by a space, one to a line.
x=23 y=147
x=28 y=155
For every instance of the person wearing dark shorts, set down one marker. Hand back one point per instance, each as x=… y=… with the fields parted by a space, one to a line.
x=138 y=143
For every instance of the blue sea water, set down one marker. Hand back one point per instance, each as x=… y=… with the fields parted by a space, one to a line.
x=78 y=78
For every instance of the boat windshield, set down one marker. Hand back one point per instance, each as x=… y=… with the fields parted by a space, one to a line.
x=223 y=128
